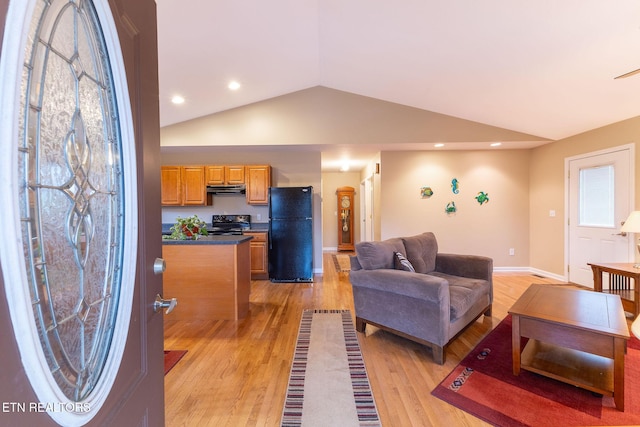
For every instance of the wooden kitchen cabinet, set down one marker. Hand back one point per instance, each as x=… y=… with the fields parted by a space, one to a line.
x=221 y=175
x=186 y=185
x=210 y=281
x=234 y=174
x=183 y=186
x=193 y=188
x=258 y=178
x=259 y=254
x=171 y=186
x=215 y=175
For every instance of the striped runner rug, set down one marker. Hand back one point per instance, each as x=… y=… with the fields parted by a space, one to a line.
x=328 y=384
x=342 y=263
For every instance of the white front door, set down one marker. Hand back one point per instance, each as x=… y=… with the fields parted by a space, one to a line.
x=80 y=202
x=600 y=198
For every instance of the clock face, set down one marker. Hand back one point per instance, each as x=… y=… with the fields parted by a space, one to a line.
x=346 y=202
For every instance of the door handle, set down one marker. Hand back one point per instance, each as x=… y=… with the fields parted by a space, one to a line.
x=161 y=303
x=622 y=233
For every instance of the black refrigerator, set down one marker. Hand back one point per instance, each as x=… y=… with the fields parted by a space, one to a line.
x=291 y=234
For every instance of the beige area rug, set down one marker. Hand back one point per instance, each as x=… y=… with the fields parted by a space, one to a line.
x=342 y=263
x=328 y=384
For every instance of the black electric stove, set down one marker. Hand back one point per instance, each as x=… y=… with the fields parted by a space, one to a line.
x=228 y=225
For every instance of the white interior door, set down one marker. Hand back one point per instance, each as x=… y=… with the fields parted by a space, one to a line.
x=366 y=211
x=600 y=199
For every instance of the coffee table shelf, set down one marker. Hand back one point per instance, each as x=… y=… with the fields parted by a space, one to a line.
x=575 y=367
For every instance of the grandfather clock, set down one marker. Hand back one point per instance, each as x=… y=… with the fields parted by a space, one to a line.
x=345 y=218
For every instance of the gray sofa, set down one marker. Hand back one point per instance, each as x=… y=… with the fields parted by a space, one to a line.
x=430 y=305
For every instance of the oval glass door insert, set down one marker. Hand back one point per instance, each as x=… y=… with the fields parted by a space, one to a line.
x=76 y=213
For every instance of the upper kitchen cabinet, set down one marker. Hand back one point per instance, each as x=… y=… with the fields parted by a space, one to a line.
x=221 y=175
x=183 y=186
x=171 y=186
x=258 y=179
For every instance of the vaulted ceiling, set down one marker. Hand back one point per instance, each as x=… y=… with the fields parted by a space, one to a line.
x=544 y=68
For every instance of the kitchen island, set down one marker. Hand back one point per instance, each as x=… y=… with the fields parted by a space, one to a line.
x=210 y=277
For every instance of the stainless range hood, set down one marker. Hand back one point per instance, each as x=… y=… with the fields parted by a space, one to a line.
x=227 y=189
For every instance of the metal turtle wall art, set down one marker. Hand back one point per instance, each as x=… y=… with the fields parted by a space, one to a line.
x=482 y=197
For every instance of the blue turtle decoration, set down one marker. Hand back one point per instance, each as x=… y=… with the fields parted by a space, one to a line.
x=482 y=197
x=455 y=187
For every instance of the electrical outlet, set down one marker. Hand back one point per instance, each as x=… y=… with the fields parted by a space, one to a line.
x=512 y=251
x=259 y=217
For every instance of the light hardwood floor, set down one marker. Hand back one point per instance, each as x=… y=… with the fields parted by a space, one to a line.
x=236 y=372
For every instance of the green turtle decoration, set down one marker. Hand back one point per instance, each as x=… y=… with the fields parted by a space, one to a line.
x=426 y=192
x=482 y=197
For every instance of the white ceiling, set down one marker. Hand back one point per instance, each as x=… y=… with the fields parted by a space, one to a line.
x=543 y=67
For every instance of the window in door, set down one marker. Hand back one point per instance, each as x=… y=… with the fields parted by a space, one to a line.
x=597 y=197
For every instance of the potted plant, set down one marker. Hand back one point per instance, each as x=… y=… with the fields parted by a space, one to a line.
x=188 y=228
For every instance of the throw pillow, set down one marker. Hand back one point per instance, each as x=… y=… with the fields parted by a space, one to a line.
x=402 y=263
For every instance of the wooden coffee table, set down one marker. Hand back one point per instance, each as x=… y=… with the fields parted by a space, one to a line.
x=575 y=336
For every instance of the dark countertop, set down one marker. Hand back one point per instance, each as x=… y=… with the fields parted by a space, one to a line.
x=210 y=240
x=256 y=226
x=259 y=226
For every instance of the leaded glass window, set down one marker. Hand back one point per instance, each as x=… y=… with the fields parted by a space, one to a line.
x=71 y=202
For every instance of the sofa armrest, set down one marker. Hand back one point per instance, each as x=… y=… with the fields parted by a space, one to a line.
x=471 y=266
x=414 y=285
x=355 y=264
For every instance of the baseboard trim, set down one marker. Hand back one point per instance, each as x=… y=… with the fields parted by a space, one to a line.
x=512 y=269
x=515 y=269
x=530 y=270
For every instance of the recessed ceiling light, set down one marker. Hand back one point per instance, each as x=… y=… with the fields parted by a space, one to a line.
x=233 y=85
x=438 y=145
x=496 y=144
x=177 y=99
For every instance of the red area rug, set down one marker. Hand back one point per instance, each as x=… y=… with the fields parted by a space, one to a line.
x=483 y=385
x=171 y=357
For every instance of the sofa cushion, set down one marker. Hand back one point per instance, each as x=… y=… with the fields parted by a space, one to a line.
x=402 y=263
x=374 y=255
x=421 y=251
x=464 y=292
